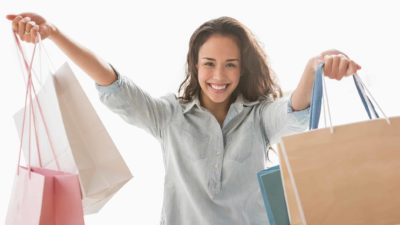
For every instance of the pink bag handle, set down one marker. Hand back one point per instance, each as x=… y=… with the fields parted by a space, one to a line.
x=29 y=88
x=25 y=107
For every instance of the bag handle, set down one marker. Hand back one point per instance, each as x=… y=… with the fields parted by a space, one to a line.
x=29 y=87
x=27 y=94
x=42 y=53
x=317 y=95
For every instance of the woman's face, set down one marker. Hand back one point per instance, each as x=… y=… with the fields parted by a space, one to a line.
x=218 y=69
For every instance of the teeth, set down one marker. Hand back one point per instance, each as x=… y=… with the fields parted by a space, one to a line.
x=218 y=87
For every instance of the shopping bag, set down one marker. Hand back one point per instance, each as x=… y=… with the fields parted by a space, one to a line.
x=348 y=175
x=84 y=146
x=42 y=196
x=45 y=197
x=270 y=179
x=273 y=195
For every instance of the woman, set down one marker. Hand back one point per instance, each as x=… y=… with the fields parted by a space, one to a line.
x=214 y=134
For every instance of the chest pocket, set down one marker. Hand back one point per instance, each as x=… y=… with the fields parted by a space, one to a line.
x=194 y=143
x=239 y=144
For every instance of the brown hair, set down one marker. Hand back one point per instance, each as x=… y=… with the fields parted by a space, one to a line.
x=257 y=79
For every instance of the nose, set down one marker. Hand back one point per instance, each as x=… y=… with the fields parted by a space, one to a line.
x=219 y=73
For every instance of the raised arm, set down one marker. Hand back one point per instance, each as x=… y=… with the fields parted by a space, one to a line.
x=280 y=118
x=337 y=65
x=122 y=97
x=27 y=26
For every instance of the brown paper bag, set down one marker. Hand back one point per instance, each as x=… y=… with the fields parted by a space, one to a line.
x=348 y=177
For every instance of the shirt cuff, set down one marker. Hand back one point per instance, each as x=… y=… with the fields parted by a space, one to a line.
x=111 y=88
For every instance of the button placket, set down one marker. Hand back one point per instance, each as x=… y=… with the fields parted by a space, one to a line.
x=217 y=164
x=215 y=172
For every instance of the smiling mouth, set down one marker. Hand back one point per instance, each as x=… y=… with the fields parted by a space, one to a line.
x=218 y=87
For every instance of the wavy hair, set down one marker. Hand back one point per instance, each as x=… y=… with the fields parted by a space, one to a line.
x=257 y=80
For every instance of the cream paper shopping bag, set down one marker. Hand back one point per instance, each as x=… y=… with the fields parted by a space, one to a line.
x=350 y=176
x=83 y=144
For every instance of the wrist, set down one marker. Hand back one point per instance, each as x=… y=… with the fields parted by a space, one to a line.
x=301 y=96
x=312 y=64
x=53 y=32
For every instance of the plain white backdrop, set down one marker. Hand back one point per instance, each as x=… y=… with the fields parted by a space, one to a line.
x=148 y=41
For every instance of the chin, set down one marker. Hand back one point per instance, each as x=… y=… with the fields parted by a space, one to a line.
x=219 y=99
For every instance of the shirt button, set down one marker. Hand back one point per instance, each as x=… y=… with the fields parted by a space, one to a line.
x=216 y=166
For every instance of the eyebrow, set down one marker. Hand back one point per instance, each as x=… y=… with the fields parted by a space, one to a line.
x=229 y=60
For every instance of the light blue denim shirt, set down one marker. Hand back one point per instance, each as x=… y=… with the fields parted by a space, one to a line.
x=210 y=171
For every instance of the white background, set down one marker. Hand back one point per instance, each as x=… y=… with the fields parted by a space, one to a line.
x=148 y=42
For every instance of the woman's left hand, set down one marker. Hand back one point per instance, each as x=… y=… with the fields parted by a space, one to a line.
x=337 y=64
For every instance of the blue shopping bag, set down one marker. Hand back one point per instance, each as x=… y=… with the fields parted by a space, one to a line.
x=274 y=198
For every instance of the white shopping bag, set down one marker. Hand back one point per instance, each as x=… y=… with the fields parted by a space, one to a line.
x=80 y=140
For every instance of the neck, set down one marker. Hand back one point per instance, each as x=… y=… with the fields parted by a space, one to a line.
x=219 y=110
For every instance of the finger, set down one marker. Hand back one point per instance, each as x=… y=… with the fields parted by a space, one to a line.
x=343 y=67
x=34 y=33
x=11 y=16
x=15 y=23
x=21 y=26
x=328 y=65
x=28 y=28
x=335 y=66
x=353 y=67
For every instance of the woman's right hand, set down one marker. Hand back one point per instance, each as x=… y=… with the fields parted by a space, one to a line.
x=28 y=25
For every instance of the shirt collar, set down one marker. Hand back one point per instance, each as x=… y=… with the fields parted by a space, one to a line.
x=239 y=103
x=189 y=105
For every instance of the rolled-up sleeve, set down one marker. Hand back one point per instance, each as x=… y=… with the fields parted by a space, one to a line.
x=136 y=106
x=279 y=119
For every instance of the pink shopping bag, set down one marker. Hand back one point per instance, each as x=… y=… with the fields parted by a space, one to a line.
x=42 y=196
x=45 y=197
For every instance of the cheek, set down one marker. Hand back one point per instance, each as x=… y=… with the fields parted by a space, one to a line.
x=235 y=77
x=203 y=75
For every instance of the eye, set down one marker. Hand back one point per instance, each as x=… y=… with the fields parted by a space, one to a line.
x=209 y=64
x=231 y=65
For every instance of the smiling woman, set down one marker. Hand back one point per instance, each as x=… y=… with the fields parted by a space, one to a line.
x=229 y=109
x=225 y=60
